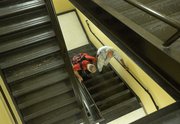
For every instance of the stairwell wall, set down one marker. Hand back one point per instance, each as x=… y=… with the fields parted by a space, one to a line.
x=6 y=115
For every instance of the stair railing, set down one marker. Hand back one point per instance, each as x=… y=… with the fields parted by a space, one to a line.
x=157 y=107
x=161 y=17
x=82 y=95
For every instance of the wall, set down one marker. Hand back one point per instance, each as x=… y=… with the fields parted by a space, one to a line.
x=62 y=6
x=161 y=97
x=5 y=115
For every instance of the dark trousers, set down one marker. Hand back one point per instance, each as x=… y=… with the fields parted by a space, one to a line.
x=85 y=75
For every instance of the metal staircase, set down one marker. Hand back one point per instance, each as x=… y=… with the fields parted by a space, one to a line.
x=32 y=63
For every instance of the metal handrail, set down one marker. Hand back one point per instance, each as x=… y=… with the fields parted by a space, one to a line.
x=89 y=103
x=157 y=107
x=161 y=17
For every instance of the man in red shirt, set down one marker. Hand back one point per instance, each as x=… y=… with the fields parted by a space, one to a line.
x=83 y=68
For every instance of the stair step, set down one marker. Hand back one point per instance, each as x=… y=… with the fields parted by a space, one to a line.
x=57 y=115
x=25 y=38
x=108 y=92
x=114 y=99
x=40 y=81
x=19 y=7
x=33 y=68
x=25 y=21
x=138 y=16
x=75 y=119
x=120 y=109
x=99 y=78
x=104 y=84
x=43 y=94
x=48 y=106
x=30 y=53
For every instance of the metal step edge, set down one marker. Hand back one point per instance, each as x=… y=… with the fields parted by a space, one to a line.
x=42 y=98
x=108 y=99
x=23 y=25
x=7 y=11
x=37 y=72
x=32 y=56
x=49 y=109
x=27 y=41
x=26 y=90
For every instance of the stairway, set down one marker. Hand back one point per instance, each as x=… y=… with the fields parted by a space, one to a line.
x=32 y=64
x=154 y=26
x=110 y=93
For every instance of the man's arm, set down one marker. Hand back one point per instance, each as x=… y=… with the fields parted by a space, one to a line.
x=78 y=76
x=76 y=67
x=93 y=59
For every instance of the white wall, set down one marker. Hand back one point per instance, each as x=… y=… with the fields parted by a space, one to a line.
x=73 y=33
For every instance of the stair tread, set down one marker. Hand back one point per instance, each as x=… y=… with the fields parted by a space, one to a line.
x=98 y=78
x=120 y=105
x=26 y=21
x=33 y=67
x=61 y=113
x=43 y=94
x=26 y=54
x=18 y=7
x=107 y=90
x=40 y=81
x=75 y=119
x=47 y=106
x=25 y=38
x=120 y=109
x=136 y=14
x=103 y=83
x=113 y=97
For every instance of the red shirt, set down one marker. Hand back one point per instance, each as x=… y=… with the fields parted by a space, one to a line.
x=84 y=63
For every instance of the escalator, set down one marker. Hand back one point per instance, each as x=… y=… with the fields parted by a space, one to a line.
x=108 y=90
x=33 y=66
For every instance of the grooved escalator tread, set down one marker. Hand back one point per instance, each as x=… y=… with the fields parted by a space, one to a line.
x=21 y=6
x=43 y=94
x=33 y=68
x=30 y=53
x=61 y=113
x=120 y=109
x=106 y=92
x=25 y=21
x=25 y=38
x=48 y=106
x=40 y=81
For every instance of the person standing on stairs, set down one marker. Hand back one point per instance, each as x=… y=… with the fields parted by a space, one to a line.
x=83 y=65
x=104 y=55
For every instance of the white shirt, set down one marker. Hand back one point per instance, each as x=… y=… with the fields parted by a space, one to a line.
x=102 y=54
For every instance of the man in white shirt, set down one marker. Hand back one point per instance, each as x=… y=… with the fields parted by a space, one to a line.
x=104 y=55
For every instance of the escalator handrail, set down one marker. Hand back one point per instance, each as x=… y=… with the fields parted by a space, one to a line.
x=161 y=17
x=157 y=107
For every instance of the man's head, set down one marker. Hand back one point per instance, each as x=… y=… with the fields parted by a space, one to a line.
x=109 y=53
x=91 y=68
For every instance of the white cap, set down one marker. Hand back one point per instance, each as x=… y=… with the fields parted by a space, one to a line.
x=91 y=68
